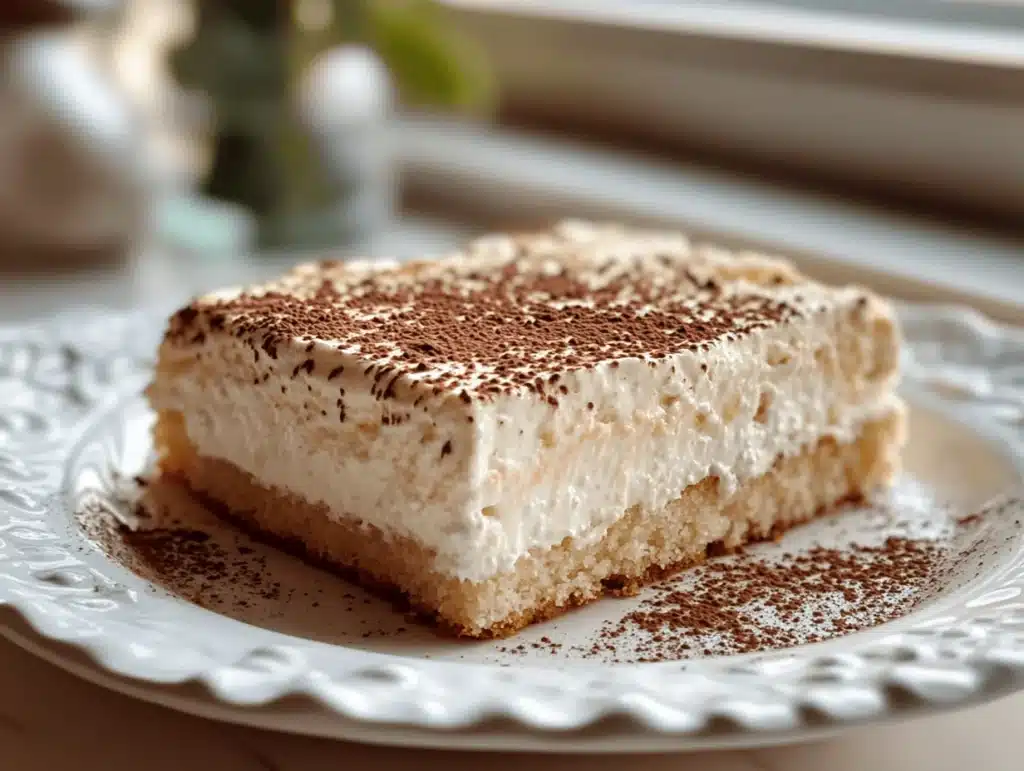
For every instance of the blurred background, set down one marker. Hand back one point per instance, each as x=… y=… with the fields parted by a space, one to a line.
x=151 y=149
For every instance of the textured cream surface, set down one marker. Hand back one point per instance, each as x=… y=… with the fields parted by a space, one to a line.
x=481 y=479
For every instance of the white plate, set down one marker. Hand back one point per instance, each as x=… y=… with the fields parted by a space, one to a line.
x=72 y=420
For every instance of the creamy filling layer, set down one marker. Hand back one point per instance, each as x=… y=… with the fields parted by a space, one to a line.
x=483 y=483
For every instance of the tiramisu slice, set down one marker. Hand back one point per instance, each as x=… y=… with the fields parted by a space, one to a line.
x=518 y=428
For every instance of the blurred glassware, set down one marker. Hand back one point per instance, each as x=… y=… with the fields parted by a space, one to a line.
x=298 y=95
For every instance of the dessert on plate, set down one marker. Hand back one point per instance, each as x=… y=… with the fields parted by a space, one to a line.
x=533 y=422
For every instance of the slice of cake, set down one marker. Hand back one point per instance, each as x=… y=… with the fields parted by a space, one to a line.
x=521 y=427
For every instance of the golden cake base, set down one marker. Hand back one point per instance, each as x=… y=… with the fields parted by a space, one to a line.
x=641 y=546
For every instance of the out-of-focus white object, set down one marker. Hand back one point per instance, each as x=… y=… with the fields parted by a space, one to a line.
x=347 y=86
x=71 y=176
x=345 y=100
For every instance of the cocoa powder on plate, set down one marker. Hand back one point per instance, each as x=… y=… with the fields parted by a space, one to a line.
x=747 y=602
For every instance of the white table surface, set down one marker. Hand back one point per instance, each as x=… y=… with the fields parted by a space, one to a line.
x=51 y=720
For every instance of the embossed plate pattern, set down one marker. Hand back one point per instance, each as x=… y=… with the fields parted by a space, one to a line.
x=71 y=417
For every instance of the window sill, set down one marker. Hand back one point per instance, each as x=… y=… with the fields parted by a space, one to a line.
x=927 y=111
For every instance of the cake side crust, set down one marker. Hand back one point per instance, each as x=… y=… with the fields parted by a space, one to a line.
x=640 y=547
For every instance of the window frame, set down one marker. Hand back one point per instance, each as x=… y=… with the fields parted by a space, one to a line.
x=939 y=113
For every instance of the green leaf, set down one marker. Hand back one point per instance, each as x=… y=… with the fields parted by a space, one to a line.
x=431 y=63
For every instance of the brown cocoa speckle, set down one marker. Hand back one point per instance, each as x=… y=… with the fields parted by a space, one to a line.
x=479 y=326
x=744 y=603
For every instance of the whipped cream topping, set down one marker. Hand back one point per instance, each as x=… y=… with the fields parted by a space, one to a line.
x=526 y=390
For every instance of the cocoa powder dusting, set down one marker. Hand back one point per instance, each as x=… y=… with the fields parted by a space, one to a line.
x=493 y=320
x=746 y=603
x=201 y=569
x=191 y=557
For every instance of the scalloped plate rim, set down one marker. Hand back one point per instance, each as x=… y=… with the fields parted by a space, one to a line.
x=522 y=740
x=645 y=728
